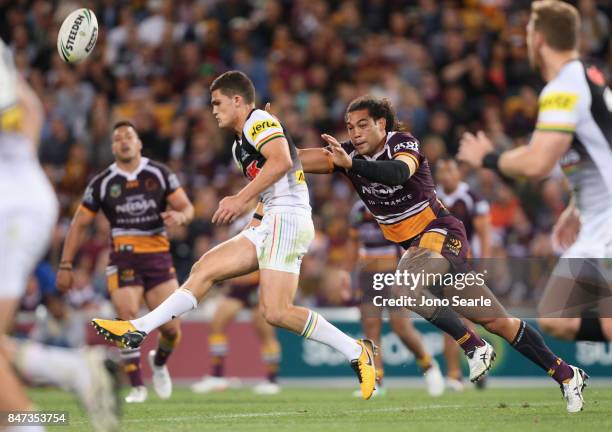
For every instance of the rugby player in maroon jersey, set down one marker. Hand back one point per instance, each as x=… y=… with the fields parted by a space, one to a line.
x=392 y=177
x=140 y=198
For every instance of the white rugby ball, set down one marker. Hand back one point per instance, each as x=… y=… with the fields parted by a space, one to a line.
x=77 y=35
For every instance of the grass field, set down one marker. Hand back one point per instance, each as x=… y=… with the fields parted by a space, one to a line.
x=296 y=410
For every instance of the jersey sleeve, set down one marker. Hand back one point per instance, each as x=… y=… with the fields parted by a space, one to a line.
x=91 y=197
x=481 y=205
x=261 y=128
x=172 y=181
x=558 y=107
x=404 y=144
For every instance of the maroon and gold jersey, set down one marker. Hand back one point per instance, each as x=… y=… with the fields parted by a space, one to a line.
x=402 y=211
x=133 y=203
x=465 y=205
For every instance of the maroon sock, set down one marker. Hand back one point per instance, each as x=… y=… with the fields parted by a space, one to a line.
x=470 y=341
x=217 y=366
x=133 y=371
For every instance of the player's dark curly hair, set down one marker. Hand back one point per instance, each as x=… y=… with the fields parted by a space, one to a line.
x=233 y=83
x=123 y=123
x=377 y=109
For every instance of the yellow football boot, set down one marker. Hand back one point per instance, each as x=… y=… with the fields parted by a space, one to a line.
x=119 y=331
x=364 y=367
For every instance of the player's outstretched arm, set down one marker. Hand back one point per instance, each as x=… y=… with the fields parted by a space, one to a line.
x=82 y=219
x=535 y=160
x=316 y=160
x=278 y=163
x=388 y=172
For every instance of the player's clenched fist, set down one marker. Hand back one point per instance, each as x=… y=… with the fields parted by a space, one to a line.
x=63 y=280
x=229 y=209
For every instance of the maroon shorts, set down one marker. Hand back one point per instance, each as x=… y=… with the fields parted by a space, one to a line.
x=445 y=235
x=247 y=294
x=139 y=269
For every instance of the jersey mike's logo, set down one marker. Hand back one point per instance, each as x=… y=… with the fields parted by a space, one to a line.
x=252 y=170
x=136 y=205
x=379 y=190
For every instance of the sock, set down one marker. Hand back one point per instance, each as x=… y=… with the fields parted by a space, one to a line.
x=424 y=362
x=271 y=354
x=380 y=373
x=217 y=345
x=530 y=343
x=181 y=301
x=319 y=329
x=165 y=347
x=131 y=365
x=448 y=321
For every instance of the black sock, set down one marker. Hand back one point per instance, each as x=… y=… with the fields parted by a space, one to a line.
x=448 y=321
x=530 y=343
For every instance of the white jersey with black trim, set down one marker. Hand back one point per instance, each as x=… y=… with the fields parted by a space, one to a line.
x=578 y=101
x=290 y=193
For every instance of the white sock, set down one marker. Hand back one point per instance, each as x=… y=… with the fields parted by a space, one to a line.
x=319 y=329
x=42 y=364
x=180 y=302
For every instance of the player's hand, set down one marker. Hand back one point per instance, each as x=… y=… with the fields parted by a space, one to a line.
x=339 y=156
x=229 y=209
x=473 y=148
x=566 y=230
x=63 y=280
x=173 y=218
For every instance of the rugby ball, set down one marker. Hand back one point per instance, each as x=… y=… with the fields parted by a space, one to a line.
x=77 y=35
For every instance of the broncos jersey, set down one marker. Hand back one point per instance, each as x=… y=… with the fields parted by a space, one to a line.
x=290 y=193
x=133 y=203
x=402 y=211
x=577 y=101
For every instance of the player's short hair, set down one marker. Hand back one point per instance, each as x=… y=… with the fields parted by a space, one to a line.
x=377 y=109
x=123 y=123
x=234 y=83
x=559 y=23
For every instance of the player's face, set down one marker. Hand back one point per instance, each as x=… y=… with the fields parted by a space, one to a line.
x=365 y=133
x=126 y=144
x=224 y=109
x=448 y=175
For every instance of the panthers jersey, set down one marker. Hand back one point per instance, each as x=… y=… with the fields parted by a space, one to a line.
x=402 y=211
x=290 y=193
x=577 y=101
x=133 y=203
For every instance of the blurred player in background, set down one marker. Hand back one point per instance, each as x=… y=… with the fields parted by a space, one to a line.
x=473 y=211
x=369 y=252
x=242 y=294
x=28 y=212
x=574 y=128
x=392 y=177
x=268 y=158
x=140 y=198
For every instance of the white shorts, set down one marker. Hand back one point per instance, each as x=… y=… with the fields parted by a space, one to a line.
x=594 y=239
x=28 y=213
x=282 y=240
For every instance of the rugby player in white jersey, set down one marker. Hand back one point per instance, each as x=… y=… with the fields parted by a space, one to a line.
x=574 y=128
x=28 y=212
x=269 y=159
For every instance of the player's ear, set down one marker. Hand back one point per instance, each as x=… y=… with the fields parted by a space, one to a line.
x=237 y=99
x=381 y=123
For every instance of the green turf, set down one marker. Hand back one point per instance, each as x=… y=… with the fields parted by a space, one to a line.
x=322 y=410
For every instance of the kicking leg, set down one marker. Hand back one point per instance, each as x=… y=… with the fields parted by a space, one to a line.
x=231 y=258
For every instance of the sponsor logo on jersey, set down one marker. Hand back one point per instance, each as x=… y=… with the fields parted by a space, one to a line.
x=151 y=185
x=379 y=190
x=252 y=170
x=408 y=145
x=299 y=177
x=560 y=101
x=453 y=245
x=11 y=120
x=115 y=191
x=596 y=76
x=88 y=195
x=132 y=184
x=260 y=126
x=136 y=205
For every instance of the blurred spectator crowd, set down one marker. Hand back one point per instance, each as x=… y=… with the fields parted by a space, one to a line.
x=447 y=67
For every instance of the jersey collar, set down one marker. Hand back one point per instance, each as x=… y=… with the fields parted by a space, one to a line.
x=130 y=176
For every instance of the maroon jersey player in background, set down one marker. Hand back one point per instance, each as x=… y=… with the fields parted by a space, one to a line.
x=140 y=198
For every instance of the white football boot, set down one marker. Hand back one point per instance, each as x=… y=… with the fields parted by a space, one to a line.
x=161 y=378
x=137 y=395
x=572 y=390
x=210 y=384
x=480 y=361
x=434 y=379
